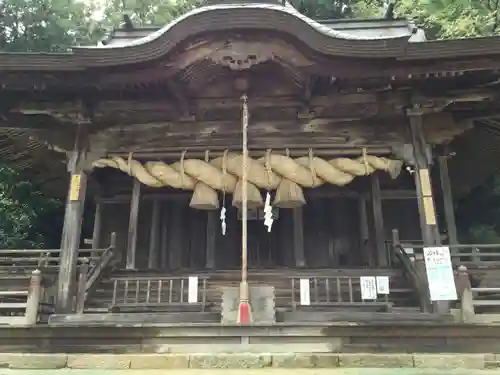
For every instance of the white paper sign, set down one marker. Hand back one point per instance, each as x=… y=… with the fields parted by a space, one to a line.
x=193 y=289
x=368 y=288
x=440 y=274
x=305 y=292
x=383 y=285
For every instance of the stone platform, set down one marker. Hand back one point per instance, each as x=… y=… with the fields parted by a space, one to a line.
x=246 y=361
x=273 y=371
x=391 y=337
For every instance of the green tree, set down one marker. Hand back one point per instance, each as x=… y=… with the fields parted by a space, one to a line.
x=46 y=25
x=445 y=19
x=145 y=12
x=25 y=213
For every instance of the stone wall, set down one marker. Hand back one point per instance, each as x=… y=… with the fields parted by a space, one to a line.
x=312 y=338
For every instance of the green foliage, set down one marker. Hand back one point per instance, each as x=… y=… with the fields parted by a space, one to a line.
x=478 y=214
x=323 y=9
x=46 y=25
x=446 y=19
x=23 y=212
x=145 y=12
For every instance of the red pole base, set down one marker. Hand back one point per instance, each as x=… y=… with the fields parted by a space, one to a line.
x=244 y=315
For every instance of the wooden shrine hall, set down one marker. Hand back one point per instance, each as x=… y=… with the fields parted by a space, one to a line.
x=359 y=134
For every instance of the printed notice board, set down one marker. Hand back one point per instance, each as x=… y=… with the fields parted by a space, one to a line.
x=440 y=274
x=368 y=288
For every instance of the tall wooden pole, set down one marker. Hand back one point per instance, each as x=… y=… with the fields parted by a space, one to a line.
x=428 y=222
x=378 y=221
x=244 y=308
x=70 y=243
x=430 y=233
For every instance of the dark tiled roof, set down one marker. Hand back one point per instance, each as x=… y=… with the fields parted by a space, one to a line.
x=377 y=28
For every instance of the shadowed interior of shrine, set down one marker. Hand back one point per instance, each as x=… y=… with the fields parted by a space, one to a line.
x=333 y=230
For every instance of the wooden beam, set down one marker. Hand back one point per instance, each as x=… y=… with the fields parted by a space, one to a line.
x=154 y=101
x=154 y=236
x=173 y=155
x=378 y=221
x=73 y=217
x=178 y=195
x=449 y=211
x=320 y=132
x=132 y=225
x=181 y=96
x=298 y=238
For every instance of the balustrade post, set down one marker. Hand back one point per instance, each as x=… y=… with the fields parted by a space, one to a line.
x=34 y=295
x=464 y=290
x=396 y=242
x=82 y=287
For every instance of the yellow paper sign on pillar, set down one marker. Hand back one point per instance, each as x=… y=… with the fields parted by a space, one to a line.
x=428 y=201
x=74 y=192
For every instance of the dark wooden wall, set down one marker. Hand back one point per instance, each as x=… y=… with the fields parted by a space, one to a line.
x=402 y=214
x=331 y=233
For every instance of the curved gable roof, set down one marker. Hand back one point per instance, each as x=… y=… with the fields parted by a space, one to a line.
x=272 y=17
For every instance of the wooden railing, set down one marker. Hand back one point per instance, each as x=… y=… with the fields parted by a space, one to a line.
x=414 y=271
x=469 y=255
x=91 y=273
x=21 y=307
x=333 y=292
x=470 y=298
x=159 y=293
x=28 y=260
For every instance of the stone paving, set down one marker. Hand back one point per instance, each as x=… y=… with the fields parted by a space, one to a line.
x=27 y=361
x=338 y=371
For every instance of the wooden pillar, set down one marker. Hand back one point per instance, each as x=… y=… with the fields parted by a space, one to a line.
x=70 y=244
x=96 y=234
x=132 y=225
x=298 y=238
x=164 y=236
x=154 y=236
x=364 y=232
x=211 y=232
x=176 y=236
x=449 y=211
x=378 y=222
x=34 y=296
x=426 y=207
x=430 y=233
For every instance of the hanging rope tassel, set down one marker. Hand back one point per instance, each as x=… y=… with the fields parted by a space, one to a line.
x=223 y=208
x=268 y=208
